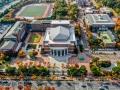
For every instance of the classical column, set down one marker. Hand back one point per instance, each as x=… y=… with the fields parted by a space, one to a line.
x=64 y=52
x=67 y=51
x=54 y=53
x=60 y=52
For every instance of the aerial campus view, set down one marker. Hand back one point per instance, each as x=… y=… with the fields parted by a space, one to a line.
x=59 y=44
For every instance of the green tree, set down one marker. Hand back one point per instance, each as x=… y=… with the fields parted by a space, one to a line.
x=60 y=9
x=82 y=70
x=33 y=70
x=73 y=11
x=72 y=71
x=104 y=64
x=81 y=48
x=23 y=70
x=43 y=71
x=96 y=70
x=116 y=70
x=11 y=70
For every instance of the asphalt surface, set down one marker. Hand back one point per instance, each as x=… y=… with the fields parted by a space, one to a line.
x=64 y=85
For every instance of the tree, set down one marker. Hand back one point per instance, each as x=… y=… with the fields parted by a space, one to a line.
x=2 y=55
x=95 y=43
x=81 y=48
x=72 y=71
x=118 y=63
x=104 y=64
x=43 y=71
x=11 y=70
x=33 y=70
x=116 y=69
x=96 y=70
x=60 y=9
x=73 y=11
x=33 y=53
x=77 y=30
x=7 y=58
x=21 y=54
x=23 y=70
x=82 y=70
x=95 y=59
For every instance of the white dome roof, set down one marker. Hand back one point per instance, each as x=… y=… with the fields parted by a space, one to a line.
x=59 y=33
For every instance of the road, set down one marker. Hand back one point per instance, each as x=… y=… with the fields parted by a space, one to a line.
x=64 y=85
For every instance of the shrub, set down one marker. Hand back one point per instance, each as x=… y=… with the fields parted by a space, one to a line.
x=104 y=64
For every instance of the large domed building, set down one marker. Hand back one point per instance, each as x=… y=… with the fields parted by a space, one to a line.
x=59 y=40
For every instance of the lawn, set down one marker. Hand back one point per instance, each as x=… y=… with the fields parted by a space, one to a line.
x=105 y=37
x=35 y=38
x=33 y=11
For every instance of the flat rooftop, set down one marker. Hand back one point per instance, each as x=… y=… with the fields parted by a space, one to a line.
x=101 y=19
x=4 y=28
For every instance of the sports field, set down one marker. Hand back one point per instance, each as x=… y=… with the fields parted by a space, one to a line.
x=34 y=10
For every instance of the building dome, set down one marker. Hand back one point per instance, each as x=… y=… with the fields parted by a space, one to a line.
x=59 y=33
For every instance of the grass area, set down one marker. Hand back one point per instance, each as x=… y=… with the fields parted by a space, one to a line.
x=33 y=11
x=35 y=38
x=105 y=37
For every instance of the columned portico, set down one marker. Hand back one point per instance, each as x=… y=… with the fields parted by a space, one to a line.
x=59 y=52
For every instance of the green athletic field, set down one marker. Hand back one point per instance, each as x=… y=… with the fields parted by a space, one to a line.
x=33 y=11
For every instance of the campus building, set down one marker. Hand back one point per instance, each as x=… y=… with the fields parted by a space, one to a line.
x=42 y=25
x=101 y=25
x=4 y=2
x=99 y=22
x=59 y=40
x=12 y=41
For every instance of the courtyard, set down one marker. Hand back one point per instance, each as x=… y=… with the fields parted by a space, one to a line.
x=34 y=41
x=35 y=38
x=106 y=37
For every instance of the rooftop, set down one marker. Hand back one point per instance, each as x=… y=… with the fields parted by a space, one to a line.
x=7 y=45
x=51 y=22
x=14 y=30
x=59 y=33
x=99 y=19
